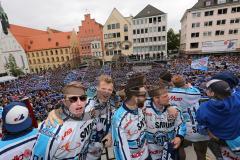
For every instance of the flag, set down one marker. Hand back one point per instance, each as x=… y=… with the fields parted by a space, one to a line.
x=200 y=64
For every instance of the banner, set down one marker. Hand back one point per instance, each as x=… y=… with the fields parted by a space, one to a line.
x=200 y=64
x=219 y=46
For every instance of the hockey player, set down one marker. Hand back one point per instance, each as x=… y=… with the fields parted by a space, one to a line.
x=19 y=136
x=161 y=129
x=101 y=136
x=128 y=124
x=70 y=140
x=187 y=98
x=101 y=133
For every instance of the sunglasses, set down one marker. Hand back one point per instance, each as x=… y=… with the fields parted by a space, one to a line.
x=75 y=98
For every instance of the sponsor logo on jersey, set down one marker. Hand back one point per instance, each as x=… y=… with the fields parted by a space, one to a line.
x=67 y=133
x=174 y=98
x=26 y=155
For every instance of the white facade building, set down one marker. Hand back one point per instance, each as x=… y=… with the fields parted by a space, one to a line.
x=210 y=27
x=9 y=45
x=150 y=34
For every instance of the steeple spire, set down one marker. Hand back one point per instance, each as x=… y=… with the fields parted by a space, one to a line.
x=4 y=20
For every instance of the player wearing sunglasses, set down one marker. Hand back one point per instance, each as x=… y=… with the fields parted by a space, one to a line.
x=70 y=140
x=101 y=136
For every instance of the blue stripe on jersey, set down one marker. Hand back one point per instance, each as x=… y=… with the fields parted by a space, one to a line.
x=53 y=139
x=46 y=134
x=119 y=136
x=14 y=143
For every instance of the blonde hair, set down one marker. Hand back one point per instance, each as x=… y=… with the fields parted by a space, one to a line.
x=71 y=85
x=105 y=78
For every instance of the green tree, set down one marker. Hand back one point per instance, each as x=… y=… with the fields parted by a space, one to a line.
x=12 y=67
x=173 y=40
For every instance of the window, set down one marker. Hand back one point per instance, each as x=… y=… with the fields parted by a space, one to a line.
x=208 y=13
x=134 y=31
x=125 y=28
x=138 y=31
x=208 y=3
x=195 y=25
x=126 y=47
x=194 y=45
x=219 y=32
x=109 y=27
x=222 y=11
x=154 y=29
x=142 y=40
x=207 y=34
x=154 y=19
x=146 y=20
x=159 y=19
x=113 y=26
x=141 y=21
x=142 y=31
x=233 y=31
x=126 y=38
x=118 y=25
x=235 y=9
x=146 y=30
x=155 y=39
x=163 y=38
x=163 y=28
x=118 y=34
x=196 y=14
x=159 y=29
x=221 y=1
x=150 y=39
x=150 y=29
x=150 y=20
x=209 y=23
x=237 y=20
x=221 y=22
x=194 y=35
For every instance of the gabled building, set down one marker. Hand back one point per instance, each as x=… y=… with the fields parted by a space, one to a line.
x=9 y=45
x=90 y=37
x=117 y=36
x=150 y=34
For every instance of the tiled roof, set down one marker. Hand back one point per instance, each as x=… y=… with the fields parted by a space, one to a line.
x=149 y=11
x=201 y=4
x=33 y=39
x=48 y=41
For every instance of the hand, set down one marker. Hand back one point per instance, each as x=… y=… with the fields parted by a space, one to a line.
x=211 y=135
x=176 y=142
x=172 y=112
x=108 y=140
x=53 y=116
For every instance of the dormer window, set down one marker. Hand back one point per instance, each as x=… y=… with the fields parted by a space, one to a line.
x=221 y=1
x=208 y=3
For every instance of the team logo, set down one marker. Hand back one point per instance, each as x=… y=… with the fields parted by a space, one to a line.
x=19 y=118
x=160 y=138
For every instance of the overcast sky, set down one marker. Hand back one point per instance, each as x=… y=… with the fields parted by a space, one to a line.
x=68 y=14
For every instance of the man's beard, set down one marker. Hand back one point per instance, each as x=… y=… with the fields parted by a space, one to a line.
x=140 y=103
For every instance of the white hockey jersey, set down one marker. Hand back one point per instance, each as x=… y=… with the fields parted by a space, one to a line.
x=161 y=129
x=187 y=100
x=129 y=134
x=101 y=128
x=69 y=141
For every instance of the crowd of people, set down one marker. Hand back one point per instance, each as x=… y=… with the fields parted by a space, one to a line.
x=118 y=112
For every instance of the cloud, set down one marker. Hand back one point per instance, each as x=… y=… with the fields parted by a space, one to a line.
x=68 y=14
